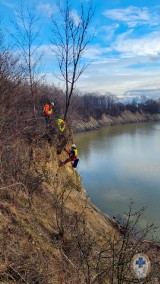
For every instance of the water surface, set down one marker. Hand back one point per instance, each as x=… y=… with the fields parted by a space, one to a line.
x=120 y=163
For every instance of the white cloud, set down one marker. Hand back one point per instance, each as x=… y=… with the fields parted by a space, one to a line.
x=107 y=32
x=116 y=77
x=142 y=46
x=112 y=74
x=95 y=52
x=149 y=93
x=134 y=16
x=46 y=9
x=74 y=16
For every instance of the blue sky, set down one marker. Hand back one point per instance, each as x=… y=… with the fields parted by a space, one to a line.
x=125 y=51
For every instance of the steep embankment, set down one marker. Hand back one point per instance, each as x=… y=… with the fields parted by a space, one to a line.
x=50 y=232
x=107 y=120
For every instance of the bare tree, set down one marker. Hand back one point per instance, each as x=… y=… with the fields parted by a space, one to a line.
x=25 y=39
x=70 y=40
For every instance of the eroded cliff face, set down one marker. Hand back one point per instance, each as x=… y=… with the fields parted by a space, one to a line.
x=107 y=120
x=50 y=231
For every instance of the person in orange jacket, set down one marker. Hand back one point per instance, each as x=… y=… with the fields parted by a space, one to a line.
x=48 y=111
x=73 y=156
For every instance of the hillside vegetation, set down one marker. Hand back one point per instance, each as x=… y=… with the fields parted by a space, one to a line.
x=50 y=232
x=49 y=229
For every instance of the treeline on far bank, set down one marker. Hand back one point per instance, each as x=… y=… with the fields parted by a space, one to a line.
x=95 y=105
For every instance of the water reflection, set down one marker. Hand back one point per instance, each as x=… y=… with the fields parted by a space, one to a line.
x=120 y=163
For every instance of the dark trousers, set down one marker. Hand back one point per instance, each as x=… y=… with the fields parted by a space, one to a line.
x=47 y=119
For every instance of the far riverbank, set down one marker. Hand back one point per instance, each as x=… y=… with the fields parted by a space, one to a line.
x=107 y=120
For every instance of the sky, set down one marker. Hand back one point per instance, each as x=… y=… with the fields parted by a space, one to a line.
x=125 y=50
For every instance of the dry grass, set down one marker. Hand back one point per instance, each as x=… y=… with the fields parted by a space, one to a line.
x=50 y=232
x=41 y=202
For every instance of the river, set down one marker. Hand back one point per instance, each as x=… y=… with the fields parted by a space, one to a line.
x=122 y=163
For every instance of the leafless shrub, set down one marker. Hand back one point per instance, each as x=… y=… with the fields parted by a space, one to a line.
x=115 y=258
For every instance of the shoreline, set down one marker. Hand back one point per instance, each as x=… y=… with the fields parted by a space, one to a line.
x=125 y=118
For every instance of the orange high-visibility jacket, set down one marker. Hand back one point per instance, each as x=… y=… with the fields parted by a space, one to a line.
x=48 y=109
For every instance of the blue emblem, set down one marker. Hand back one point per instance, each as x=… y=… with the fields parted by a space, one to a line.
x=141 y=265
x=140 y=262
